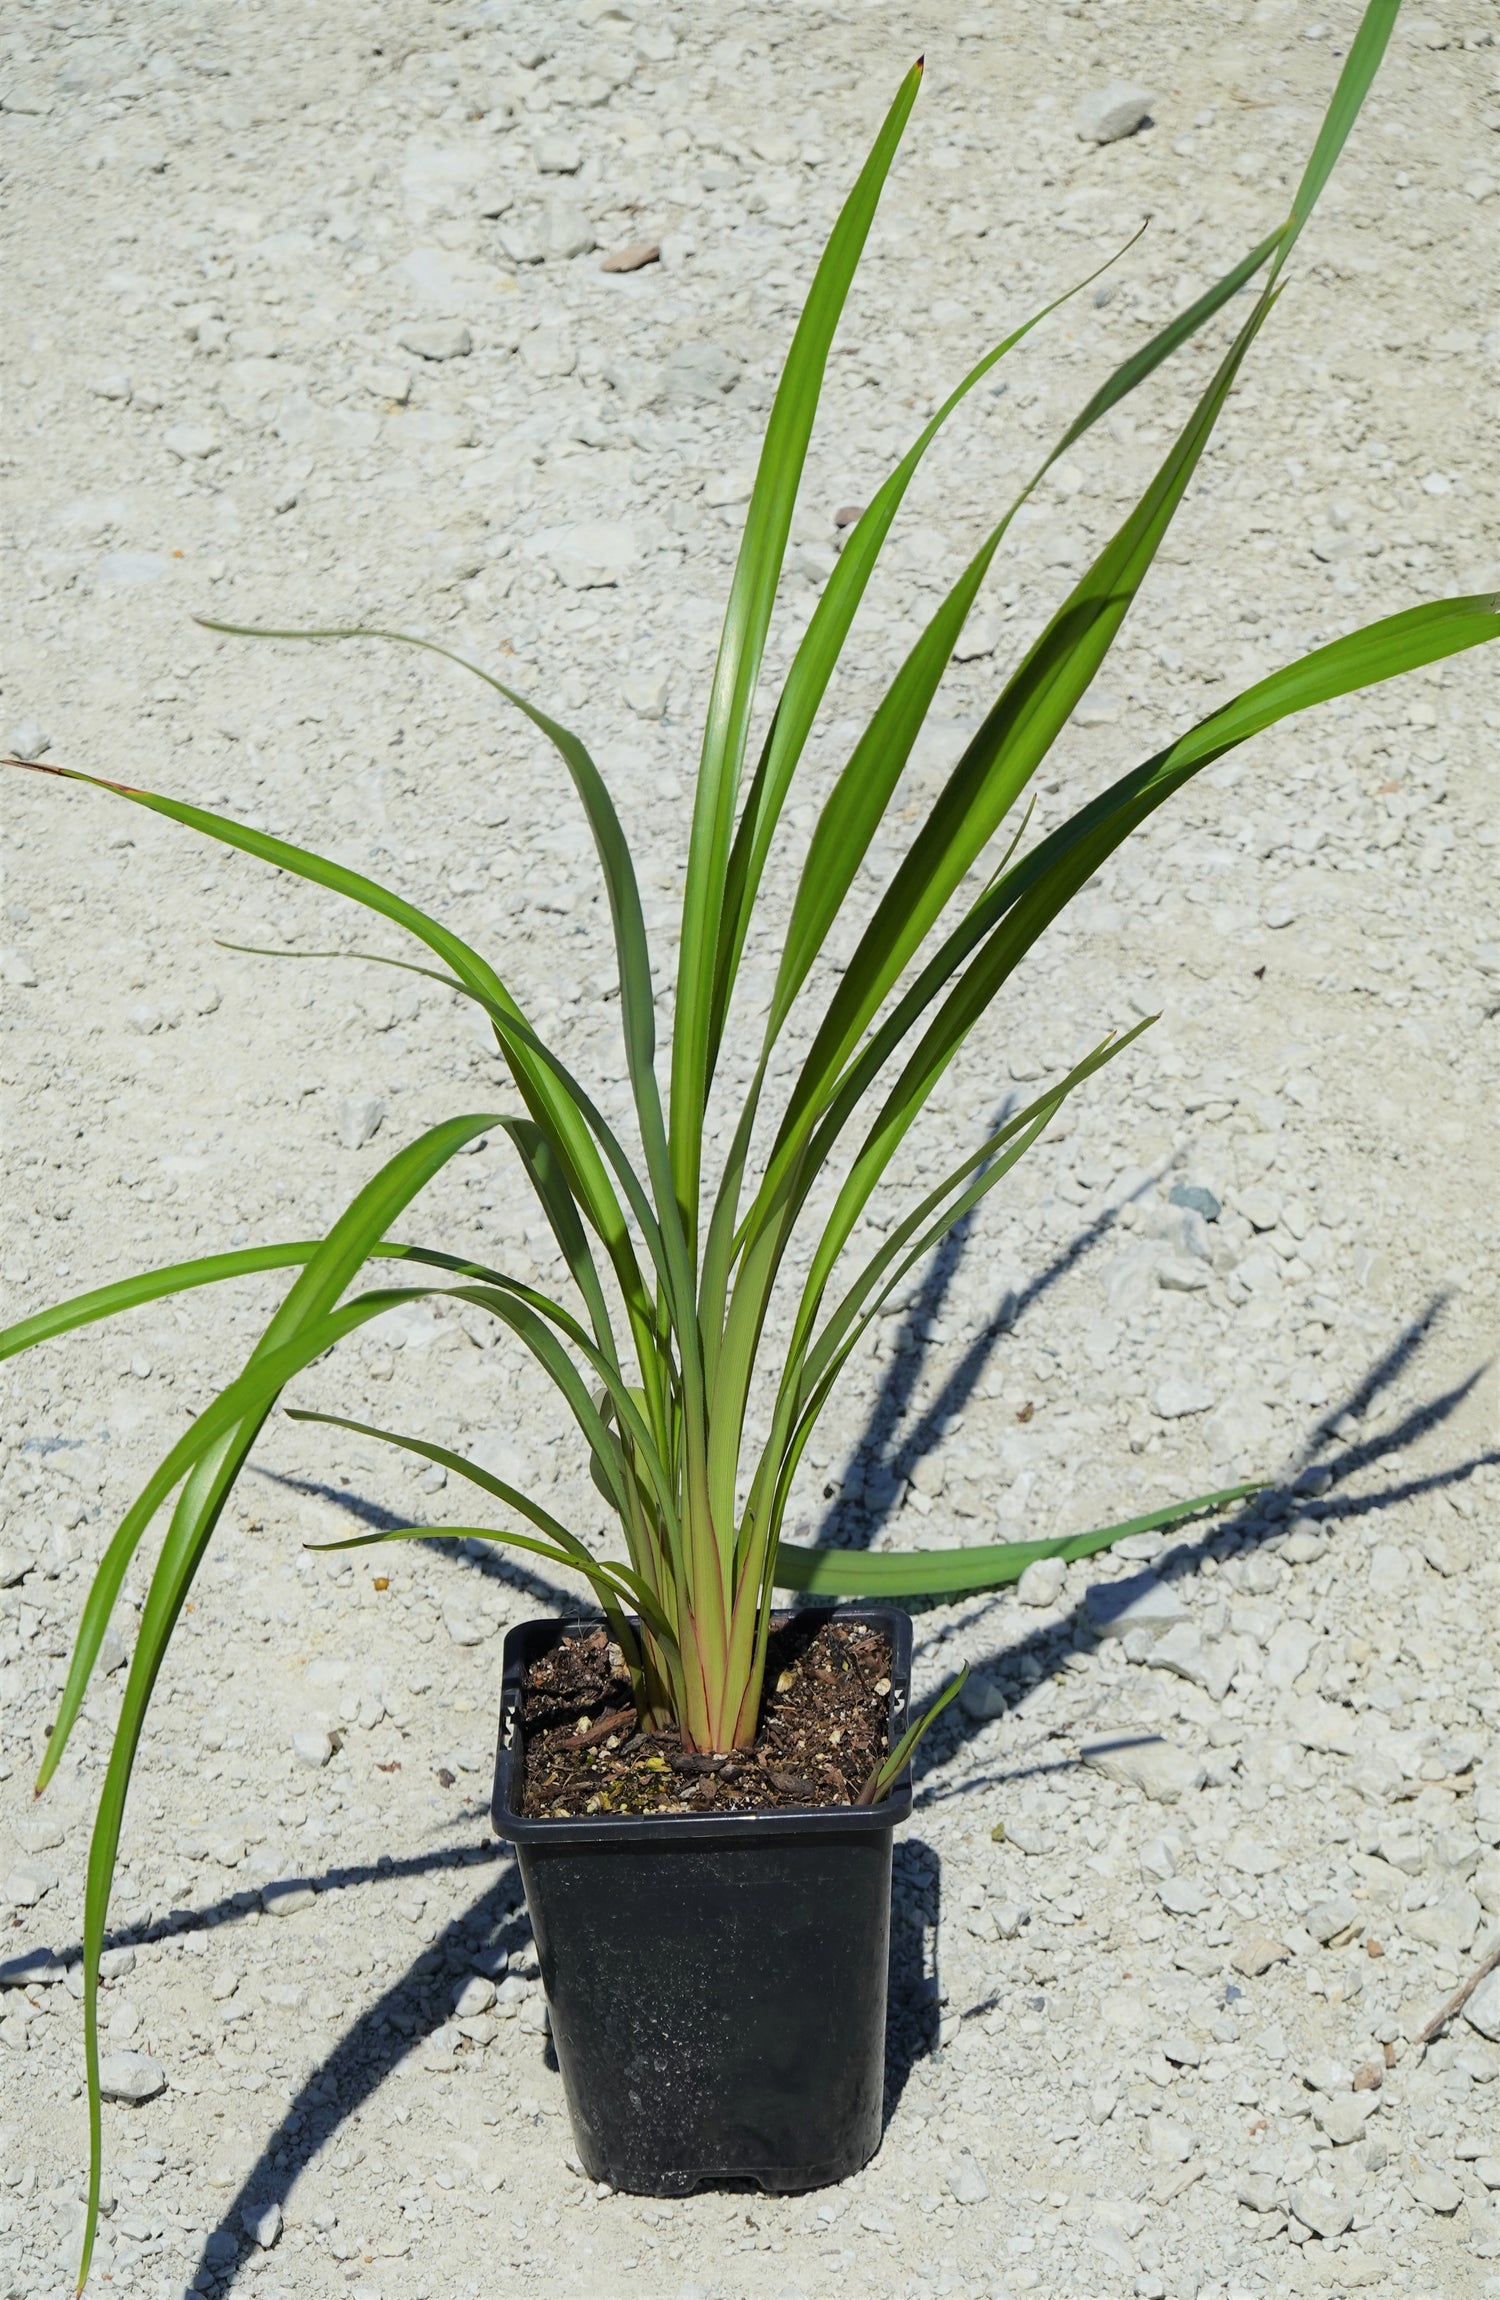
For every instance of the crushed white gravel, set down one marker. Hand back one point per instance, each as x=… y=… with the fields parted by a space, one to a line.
x=307 y=323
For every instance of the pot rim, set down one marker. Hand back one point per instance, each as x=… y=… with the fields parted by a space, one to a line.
x=526 y=1638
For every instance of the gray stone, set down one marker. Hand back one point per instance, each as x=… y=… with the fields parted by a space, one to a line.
x=1402 y=1848
x=29 y=1882
x=1484 y=2235
x=1130 y=1282
x=384 y=379
x=1435 y=2190
x=1159 y=1769
x=190 y=442
x=262 y=2223
x=1140 y=1601
x=1182 y=1228
x=645 y=693
x=436 y=339
x=1325 y=1920
x=1449 y=1922
x=1344 y=2115
x=1042 y=1582
x=557 y=155
x=965 y=2180
x=1288 y=1651
x=589 y=556
x=1388 y=1570
x=1175 y=1274
x=982 y=1699
x=1178 y=1395
x=979 y=637
x=287 y=1896
x=1256 y=1955
x=567 y=232
x=475 y=1997
x=360 y=1118
x=1197 y=1199
x=1321 y=2208
x=32 y=1968
x=1118 y=109
x=132 y=2076
x=1252 y=1856
x=1160 y=1856
x=698 y=374
x=1207 y=1662
x=1184 y=1897
x=1320 y=1724
x=29 y=739
x=521 y=240
x=549 y=352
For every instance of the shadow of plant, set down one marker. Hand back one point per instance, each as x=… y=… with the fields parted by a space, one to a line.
x=886 y=1454
x=400 y=2020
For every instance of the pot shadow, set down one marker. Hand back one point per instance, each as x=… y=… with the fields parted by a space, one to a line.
x=914 y=1998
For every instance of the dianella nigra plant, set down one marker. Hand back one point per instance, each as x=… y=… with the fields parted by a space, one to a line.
x=657 y=1349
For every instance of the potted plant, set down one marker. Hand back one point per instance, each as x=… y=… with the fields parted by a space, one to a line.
x=769 y=1894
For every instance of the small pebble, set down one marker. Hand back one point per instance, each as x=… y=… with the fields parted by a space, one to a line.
x=131 y=2076
x=360 y=1119
x=262 y=2224
x=29 y=739
x=1042 y=1582
x=436 y=339
x=634 y=258
x=190 y=442
x=1106 y=114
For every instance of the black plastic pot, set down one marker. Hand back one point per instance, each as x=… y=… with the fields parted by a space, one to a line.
x=716 y=1983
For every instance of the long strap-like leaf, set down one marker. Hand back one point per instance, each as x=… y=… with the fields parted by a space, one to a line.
x=956 y=1572
x=212 y=1270
x=737 y=670
x=858 y=802
x=323 y=1278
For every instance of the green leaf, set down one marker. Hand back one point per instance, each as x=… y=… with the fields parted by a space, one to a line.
x=324 y=1277
x=535 y=1072
x=1360 y=67
x=737 y=671
x=210 y=1456
x=885 y=1775
x=961 y=1572
x=213 y=1269
x=815 y=660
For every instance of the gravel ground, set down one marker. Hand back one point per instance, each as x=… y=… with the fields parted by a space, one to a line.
x=308 y=323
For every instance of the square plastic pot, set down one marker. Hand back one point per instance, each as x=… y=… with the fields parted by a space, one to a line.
x=716 y=1982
